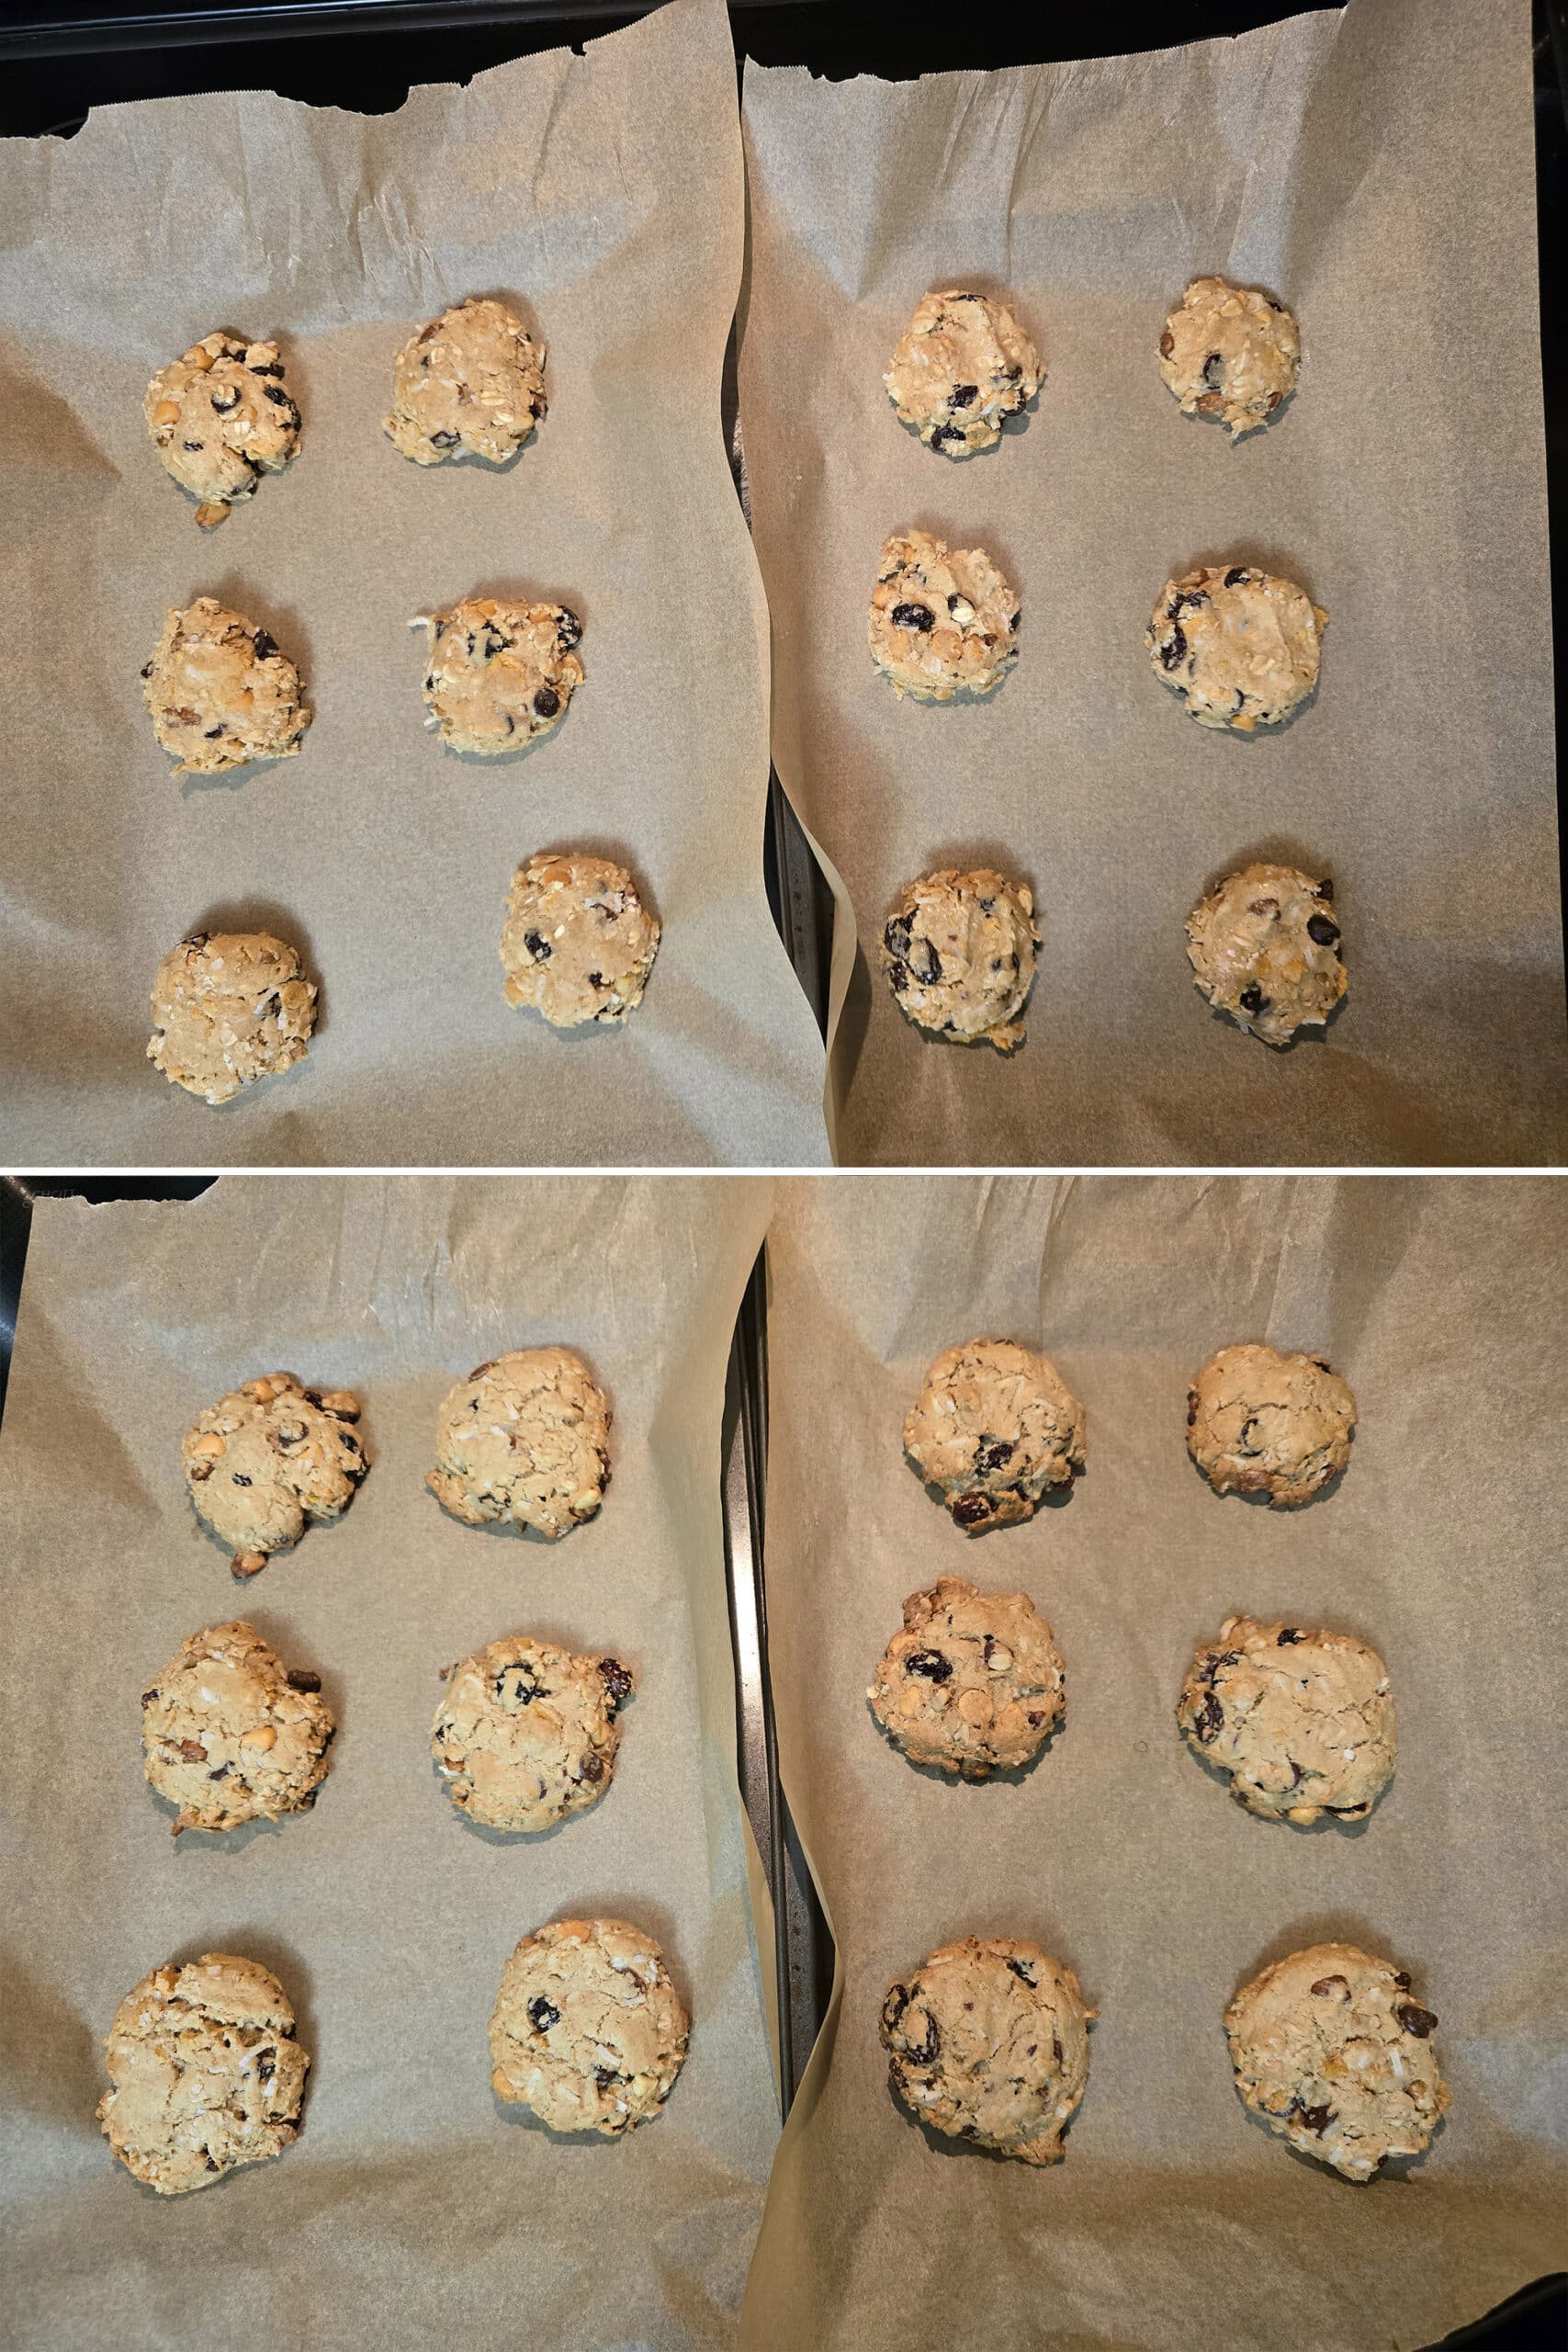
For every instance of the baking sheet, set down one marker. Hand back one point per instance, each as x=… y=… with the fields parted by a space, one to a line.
x=1374 y=168
x=1175 y=2219
x=413 y=2208
x=603 y=193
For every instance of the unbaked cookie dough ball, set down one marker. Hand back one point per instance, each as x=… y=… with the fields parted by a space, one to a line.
x=1301 y=1721
x=526 y=1734
x=943 y=619
x=1261 y=1422
x=230 y=1734
x=219 y=418
x=973 y=1684
x=524 y=1440
x=470 y=383
x=1230 y=352
x=588 y=2029
x=577 y=943
x=220 y=692
x=958 y=950
x=961 y=365
x=204 y=2073
x=1238 y=646
x=229 y=1008
x=1265 y=947
x=993 y=1427
x=500 y=675
x=270 y=1459
x=989 y=2042
x=1334 y=2055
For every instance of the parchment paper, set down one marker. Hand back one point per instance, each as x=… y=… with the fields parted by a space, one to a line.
x=413 y=2208
x=1175 y=2219
x=602 y=193
x=1373 y=167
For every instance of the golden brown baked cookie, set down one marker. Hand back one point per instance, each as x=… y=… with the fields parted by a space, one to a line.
x=527 y=1733
x=943 y=620
x=588 y=2029
x=1302 y=1720
x=230 y=1734
x=973 y=1684
x=1261 y=1422
x=270 y=1459
x=993 y=1428
x=524 y=1440
x=204 y=2073
x=229 y=1008
x=989 y=2042
x=958 y=950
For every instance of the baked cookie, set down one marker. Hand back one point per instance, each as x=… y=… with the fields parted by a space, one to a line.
x=228 y=1007
x=588 y=2030
x=219 y=418
x=993 y=1427
x=975 y=1683
x=577 y=942
x=1302 y=1722
x=958 y=950
x=204 y=2071
x=500 y=675
x=527 y=1733
x=524 y=1440
x=232 y=1735
x=1238 y=646
x=1230 y=352
x=1264 y=947
x=1332 y=2052
x=943 y=619
x=989 y=2042
x=268 y=1460
x=472 y=383
x=961 y=365
x=1259 y=1422
x=220 y=692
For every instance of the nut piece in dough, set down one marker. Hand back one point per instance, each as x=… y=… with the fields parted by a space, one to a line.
x=958 y=950
x=472 y=383
x=1332 y=2052
x=524 y=1440
x=219 y=418
x=1265 y=947
x=270 y=1459
x=1259 y=1422
x=527 y=1734
x=204 y=2071
x=588 y=2030
x=973 y=1684
x=230 y=1734
x=993 y=1427
x=961 y=365
x=500 y=675
x=943 y=619
x=577 y=942
x=1301 y=1721
x=228 y=1007
x=1238 y=646
x=1230 y=352
x=989 y=2042
x=220 y=693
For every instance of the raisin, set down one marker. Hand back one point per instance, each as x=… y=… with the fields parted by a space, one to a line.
x=547 y=702
x=962 y=395
x=210 y=734
x=239 y=1479
x=916 y=617
x=1211 y=1720
x=542 y=2014
x=148 y=1697
x=276 y=394
x=1214 y=369
x=226 y=408
x=592 y=1767
x=898 y=978
x=1167 y=343
x=264 y=645
x=617 y=1682
x=1288 y=1635
x=1326 y=888
x=929 y=1665
x=896 y=938
x=1401 y=1978
x=192 y=445
x=266 y=2066
x=925 y=2054
x=443 y=440
x=941 y=436
x=1237 y=576
x=1316 y=2119
x=1415 y=2019
x=220 y=1774
x=992 y=1453
x=146 y=669
x=540 y=948
x=605 y=2077
x=1173 y=651
x=1324 y=929
x=568 y=628
x=301 y=1679
x=1252 y=999
x=925 y=963
x=525 y=1691
x=1023 y=1970
x=971 y=1510
x=894 y=2006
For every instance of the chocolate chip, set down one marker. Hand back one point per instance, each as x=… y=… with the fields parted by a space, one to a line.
x=992 y=1453
x=542 y=2014
x=1326 y=888
x=895 y=2005
x=962 y=395
x=1316 y=2119
x=929 y=1665
x=1015 y=620
x=239 y=1479
x=592 y=1768
x=301 y=1679
x=547 y=702
x=443 y=440
x=1401 y=1978
x=1023 y=1970
x=605 y=2077
x=896 y=938
x=194 y=444
x=212 y=2164
x=1173 y=651
x=1191 y=600
x=276 y=394
x=1288 y=1634
x=541 y=951
x=969 y=1510
x=226 y=408
x=210 y=734
x=1415 y=2019
x=1211 y=1720
x=924 y=962
x=1214 y=369
x=943 y=434
x=597 y=980
x=917 y=616
x=1322 y=928
x=617 y=1682
x=1235 y=579
x=1252 y=999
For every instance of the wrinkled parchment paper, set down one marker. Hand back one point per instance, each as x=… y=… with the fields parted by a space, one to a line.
x=413 y=2208
x=1175 y=2219
x=1374 y=168
x=602 y=194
